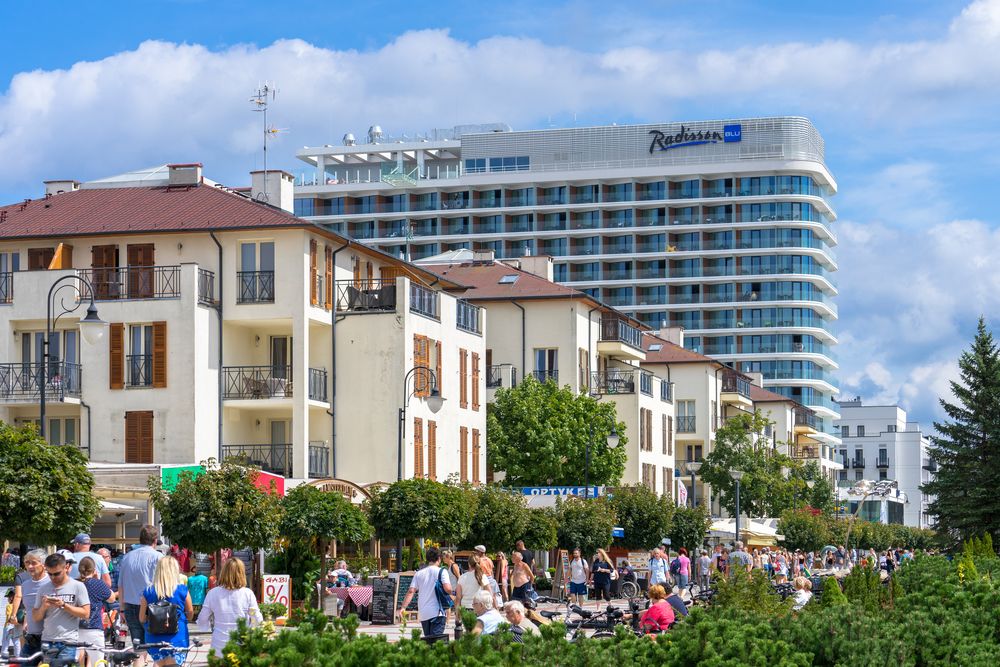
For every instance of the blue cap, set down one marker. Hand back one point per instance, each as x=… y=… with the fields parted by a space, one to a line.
x=82 y=538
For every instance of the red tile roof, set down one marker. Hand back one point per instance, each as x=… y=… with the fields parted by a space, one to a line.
x=483 y=281
x=671 y=353
x=137 y=210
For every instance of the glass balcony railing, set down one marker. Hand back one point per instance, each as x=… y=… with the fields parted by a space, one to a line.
x=651 y=246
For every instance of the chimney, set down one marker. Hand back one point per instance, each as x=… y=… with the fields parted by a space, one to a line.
x=184 y=174
x=58 y=187
x=539 y=265
x=278 y=189
x=756 y=379
x=673 y=334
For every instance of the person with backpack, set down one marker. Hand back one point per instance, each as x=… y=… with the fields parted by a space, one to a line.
x=433 y=588
x=164 y=611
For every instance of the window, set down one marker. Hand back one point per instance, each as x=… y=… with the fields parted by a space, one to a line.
x=694 y=452
x=547 y=364
x=686 y=420
x=139 y=361
x=891 y=428
x=40 y=258
x=139 y=437
x=845 y=431
x=883 y=474
x=861 y=431
x=859 y=475
x=843 y=475
x=255 y=279
x=508 y=279
x=475 y=456
x=475 y=165
x=418 y=447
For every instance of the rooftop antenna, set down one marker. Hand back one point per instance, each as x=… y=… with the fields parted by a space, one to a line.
x=264 y=94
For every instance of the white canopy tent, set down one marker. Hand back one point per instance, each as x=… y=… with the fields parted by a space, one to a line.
x=759 y=531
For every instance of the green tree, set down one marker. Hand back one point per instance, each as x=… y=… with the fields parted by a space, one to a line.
x=501 y=518
x=741 y=445
x=644 y=516
x=584 y=524
x=537 y=433
x=967 y=449
x=46 y=491
x=414 y=508
x=689 y=527
x=803 y=530
x=314 y=518
x=540 y=531
x=220 y=508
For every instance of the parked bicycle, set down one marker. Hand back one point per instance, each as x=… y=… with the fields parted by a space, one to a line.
x=47 y=657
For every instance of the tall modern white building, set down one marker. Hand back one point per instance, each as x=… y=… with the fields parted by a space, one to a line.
x=878 y=443
x=720 y=227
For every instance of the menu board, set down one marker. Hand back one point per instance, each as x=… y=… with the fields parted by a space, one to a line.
x=383 y=609
x=561 y=579
x=405 y=578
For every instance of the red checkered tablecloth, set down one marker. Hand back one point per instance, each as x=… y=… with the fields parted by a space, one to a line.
x=361 y=596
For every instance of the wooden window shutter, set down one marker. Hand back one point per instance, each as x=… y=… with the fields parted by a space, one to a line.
x=663 y=427
x=670 y=435
x=418 y=447
x=437 y=368
x=475 y=456
x=432 y=428
x=475 y=381
x=357 y=273
x=313 y=296
x=139 y=437
x=584 y=370
x=649 y=434
x=463 y=453
x=463 y=400
x=329 y=278
x=159 y=354
x=642 y=429
x=421 y=383
x=116 y=355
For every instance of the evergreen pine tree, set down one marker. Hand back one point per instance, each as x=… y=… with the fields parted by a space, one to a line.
x=967 y=451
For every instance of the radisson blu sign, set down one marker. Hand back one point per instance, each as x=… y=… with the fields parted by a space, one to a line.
x=688 y=137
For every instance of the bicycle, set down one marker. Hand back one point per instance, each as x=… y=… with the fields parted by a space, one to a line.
x=602 y=622
x=46 y=657
x=125 y=656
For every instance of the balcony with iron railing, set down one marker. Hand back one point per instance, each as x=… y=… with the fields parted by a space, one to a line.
x=646 y=384
x=858 y=462
x=7 y=287
x=501 y=375
x=734 y=383
x=806 y=419
x=255 y=287
x=687 y=423
x=319 y=459
x=546 y=375
x=882 y=461
x=132 y=282
x=21 y=381
x=366 y=296
x=256 y=382
x=425 y=302
x=666 y=391
x=612 y=381
x=469 y=317
x=206 y=288
x=317 y=385
x=273 y=458
x=621 y=338
x=138 y=370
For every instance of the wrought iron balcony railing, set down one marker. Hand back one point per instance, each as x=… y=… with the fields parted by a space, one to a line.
x=21 y=381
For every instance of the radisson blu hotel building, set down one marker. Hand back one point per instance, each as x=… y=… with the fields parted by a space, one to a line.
x=722 y=227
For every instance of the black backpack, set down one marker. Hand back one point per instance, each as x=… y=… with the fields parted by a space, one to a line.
x=162 y=617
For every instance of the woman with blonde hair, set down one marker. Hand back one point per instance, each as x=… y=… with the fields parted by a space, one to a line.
x=600 y=575
x=167 y=587
x=227 y=603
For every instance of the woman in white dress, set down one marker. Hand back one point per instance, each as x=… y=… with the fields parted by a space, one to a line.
x=227 y=603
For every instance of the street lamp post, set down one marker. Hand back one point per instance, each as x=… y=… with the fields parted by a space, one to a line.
x=434 y=402
x=612 y=440
x=91 y=328
x=693 y=467
x=737 y=475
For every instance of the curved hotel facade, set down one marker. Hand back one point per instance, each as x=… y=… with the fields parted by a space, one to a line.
x=721 y=227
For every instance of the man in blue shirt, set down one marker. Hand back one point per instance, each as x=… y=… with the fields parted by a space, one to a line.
x=135 y=574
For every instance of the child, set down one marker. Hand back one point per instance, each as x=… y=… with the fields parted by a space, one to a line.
x=12 y=622
x=197 y=585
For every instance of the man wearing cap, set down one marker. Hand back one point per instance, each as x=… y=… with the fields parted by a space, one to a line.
x=81 y=550
x=485 y=562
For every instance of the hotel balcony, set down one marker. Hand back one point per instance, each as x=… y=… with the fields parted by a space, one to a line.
x=613 y=382
x=620 y=339
x=20 y=382
x=736 y=390
x=805 y=421
x=882 y=462
x=276 y=458
x=366 y=296
x=269 y=382
x=501 y=375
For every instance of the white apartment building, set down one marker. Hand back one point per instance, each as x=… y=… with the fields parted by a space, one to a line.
x=234 y=329
x=880 y=444
x=555 y=332
x=722 y=227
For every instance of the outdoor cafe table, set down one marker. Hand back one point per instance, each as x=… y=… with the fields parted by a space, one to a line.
x=361 y=596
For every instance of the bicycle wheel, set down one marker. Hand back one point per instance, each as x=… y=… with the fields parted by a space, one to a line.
x=630 y=589
x=603 y=634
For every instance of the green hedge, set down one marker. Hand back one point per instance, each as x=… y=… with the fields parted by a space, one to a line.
x=933 y=613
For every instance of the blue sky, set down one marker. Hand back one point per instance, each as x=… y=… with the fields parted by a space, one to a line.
x=904 y=93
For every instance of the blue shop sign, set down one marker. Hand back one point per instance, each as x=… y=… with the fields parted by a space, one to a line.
x=560 y=491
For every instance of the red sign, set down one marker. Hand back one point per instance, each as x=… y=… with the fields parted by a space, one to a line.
x=264 y=479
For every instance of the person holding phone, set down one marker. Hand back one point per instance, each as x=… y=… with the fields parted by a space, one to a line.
x=60 y=606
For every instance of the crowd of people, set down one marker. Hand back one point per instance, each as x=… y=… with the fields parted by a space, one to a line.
x=69 y=596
